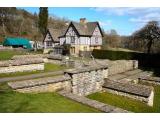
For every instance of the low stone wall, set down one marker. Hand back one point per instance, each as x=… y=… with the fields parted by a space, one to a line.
x=114 y=67
x=78 y=81
x=135 y=91
x=93 y=103
x=48 y=84
x=20 y=57
x=22 y=68
x=120 y=66
x=21 y=65
x=4 y=48
x=87 y=80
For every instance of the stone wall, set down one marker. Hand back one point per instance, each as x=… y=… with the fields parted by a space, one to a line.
x=120 y=66
x=21 y=64
x=135 y=91
x=49 y=84
x=22 y=68
x=114 y=67
x=87 y=80
x=78 y=81
x=148 y=100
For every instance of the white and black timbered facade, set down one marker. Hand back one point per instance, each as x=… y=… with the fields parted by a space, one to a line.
x=51 y=39
x=82 y=36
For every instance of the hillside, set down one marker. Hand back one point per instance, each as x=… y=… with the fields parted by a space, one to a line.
x=20 y=23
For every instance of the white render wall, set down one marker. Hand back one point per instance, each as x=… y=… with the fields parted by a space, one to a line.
x=82 y=40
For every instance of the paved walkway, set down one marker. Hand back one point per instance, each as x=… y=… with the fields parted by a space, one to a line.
x=93 y=103
x=31 y=76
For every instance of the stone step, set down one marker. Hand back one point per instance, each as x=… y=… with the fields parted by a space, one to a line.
x=93 y=103
x=150 y=79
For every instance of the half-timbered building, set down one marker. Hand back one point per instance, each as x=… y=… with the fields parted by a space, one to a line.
x=51 y=39
x=82 y=36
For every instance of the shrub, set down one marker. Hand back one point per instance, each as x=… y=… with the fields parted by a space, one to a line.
x=144 y=59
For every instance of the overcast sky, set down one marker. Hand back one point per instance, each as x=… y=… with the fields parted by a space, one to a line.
x=124 y=20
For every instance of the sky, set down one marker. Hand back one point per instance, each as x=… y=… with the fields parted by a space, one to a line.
x=124 y=20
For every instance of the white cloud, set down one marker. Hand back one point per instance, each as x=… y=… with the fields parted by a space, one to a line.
x=106 y=23
x=126 y=10
x=137 y=15
x=146 y=18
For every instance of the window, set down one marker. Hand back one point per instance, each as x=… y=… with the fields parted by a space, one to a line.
x=49 y=37
x=72 y=50
x=96 y=39
x=72 y=39
x=49 y=44
x=85 y=48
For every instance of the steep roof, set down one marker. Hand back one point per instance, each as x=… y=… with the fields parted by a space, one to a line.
x=84 y=29
x=55 y=33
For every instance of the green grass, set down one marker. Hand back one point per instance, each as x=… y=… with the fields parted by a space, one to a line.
x=119 y=49
x=11 y=101
x=48 y=68
x=127 y=103
x=8 y=54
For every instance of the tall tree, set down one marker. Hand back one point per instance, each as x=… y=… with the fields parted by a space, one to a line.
x=6 y=16
x=43 y=19
x=149 y=33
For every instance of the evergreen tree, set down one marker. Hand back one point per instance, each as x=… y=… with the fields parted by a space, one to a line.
x=43 y=19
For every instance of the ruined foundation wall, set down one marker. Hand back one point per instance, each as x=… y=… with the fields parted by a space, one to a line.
x=120 y=66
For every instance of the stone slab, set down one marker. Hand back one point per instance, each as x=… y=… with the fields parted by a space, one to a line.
x=37 y=82
x=93 y=103
x=129 y=88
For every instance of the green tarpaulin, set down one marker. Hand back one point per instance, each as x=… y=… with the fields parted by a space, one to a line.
x=17 y=42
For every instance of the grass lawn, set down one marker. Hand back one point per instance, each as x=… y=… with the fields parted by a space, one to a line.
x=127 y=103
x=11 y=101
x=7 y=55
x=119 y=49
x=48 y=67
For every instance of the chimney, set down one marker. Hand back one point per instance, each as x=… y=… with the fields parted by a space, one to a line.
x=66 y=23
x=83 y=20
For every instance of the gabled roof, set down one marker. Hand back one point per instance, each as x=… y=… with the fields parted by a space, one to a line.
x=84 y=29
x=55 y=33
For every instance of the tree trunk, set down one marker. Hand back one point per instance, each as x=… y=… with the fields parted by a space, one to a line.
x=149 y=45
x=3 y=26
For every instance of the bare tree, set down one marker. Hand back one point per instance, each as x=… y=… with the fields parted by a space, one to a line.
x=148 y=34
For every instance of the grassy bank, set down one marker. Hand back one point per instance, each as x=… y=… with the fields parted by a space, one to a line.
x=48 y=68
x=15 y=102
x=8 y=54
x=127 y=103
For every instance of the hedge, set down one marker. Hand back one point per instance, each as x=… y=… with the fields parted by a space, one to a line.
x=145 y=60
